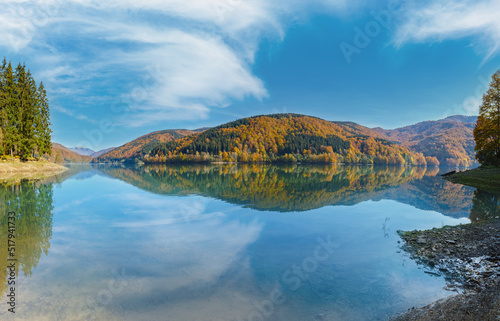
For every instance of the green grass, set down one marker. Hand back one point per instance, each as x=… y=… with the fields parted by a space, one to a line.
x=486 y=178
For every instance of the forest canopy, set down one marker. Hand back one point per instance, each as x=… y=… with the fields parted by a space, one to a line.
x=24 y=114
x=283 y=138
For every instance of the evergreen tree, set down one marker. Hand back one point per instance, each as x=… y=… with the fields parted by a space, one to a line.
x=487 y=130
x=26 y=91
x=24 y=113
x=3 y=99
x=10 y=120
x=43 y=124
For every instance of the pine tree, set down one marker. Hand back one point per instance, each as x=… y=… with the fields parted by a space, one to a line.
x=24 y=113
x=487 y=130
x=3 y=99
x=10 y=123
x=26 y=93
x=43 y=125
x=33 y=117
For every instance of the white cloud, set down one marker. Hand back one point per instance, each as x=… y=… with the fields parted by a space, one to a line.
x=172 y=240
x=73 y=114
x=192 y=72
x=204 y=49
x=452 y=19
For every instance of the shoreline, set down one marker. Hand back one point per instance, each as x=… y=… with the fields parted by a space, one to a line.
x=468 y=257
x=485 y=178
x=141 y=162
x=10 y=167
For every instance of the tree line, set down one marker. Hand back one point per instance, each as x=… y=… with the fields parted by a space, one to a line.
x=24 y=114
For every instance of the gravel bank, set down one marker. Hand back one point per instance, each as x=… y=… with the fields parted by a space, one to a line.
x=468 y=257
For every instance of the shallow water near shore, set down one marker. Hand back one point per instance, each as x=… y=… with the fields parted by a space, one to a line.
x=225 y=242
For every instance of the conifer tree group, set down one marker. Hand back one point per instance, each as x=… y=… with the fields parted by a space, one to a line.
x=24 y=114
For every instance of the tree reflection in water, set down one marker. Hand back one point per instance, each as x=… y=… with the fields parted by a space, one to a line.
x=32 y=204
x=485 y=206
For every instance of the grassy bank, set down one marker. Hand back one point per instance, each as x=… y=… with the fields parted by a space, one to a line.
x=13 y=166
x=485 y=178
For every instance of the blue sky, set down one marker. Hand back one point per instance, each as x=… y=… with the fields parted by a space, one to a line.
x=118 y=69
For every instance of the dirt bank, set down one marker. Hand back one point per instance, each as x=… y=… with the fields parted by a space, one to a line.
x=16 y=166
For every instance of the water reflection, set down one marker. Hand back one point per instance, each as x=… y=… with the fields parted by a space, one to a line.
x=302 y=188
x=32 y=204
x=485 y=206
x=182 y=254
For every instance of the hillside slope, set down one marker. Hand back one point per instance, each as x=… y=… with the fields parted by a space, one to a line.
x=61 y=154
x=283 y=137
x=134 y=149
x=450 y=140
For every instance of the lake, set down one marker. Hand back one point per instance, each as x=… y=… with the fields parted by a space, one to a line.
x=224 y=242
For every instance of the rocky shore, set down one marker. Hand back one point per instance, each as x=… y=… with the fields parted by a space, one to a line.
x=468 y=257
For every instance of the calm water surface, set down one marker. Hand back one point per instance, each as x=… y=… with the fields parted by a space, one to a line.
x=225 y=242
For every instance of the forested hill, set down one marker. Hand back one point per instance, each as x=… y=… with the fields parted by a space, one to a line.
x=136 y=148
x=63 y=155
x=450 y=140
x=281 y=138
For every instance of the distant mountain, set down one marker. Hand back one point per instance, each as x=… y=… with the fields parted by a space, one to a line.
x=135 y=148
x=450 y=140
x=281 y=138
x=462 y=119
x=102 y=152
x=82 y=151
x=202 y=129
x=61 y=154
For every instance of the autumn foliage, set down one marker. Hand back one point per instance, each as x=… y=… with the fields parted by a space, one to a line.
x=284 y=138
x=487 y=131
x=292 y=187
x=135 y=148
x=447 y=142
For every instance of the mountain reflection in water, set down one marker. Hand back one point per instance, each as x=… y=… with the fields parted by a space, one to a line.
x=302 y=188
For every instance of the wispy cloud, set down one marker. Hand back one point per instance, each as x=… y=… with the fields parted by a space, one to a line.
x=452 y=19
x=204 y=49
x=197 y=71
x=73 y=114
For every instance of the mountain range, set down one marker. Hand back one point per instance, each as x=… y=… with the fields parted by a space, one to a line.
x=89 y=152
x=283 y=138
x=82 y=151
x=293 y=137
x=450 y=140
x=61 y=154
